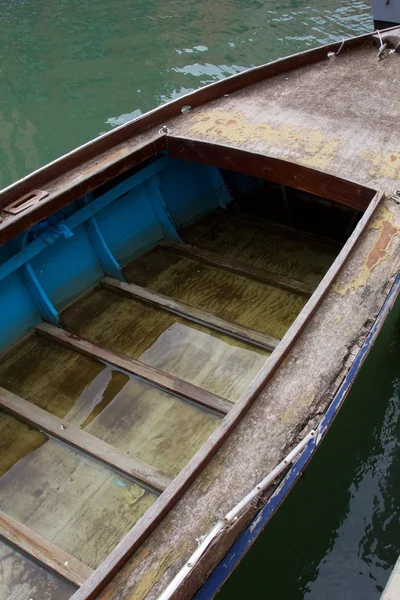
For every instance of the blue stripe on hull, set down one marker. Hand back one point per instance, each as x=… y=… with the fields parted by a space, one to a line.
x=250 y=534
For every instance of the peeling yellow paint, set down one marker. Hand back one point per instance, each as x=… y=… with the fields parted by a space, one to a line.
x=312 y=147
x=383 y=223
x=133 y=494
x=338 y=318
x=385 y=165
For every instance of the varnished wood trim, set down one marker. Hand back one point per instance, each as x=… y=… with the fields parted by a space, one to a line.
x=277 y=170
x=192 y=313
x=143 y=529
x=241 y=268
x=45 y=552
x=83 y=441
x=297 y=235
x=159 y=378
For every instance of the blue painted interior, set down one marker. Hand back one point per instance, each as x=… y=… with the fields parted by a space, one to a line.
x=48 y=267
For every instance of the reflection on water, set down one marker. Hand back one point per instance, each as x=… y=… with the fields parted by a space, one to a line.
x=337 y=536
x=71 y=70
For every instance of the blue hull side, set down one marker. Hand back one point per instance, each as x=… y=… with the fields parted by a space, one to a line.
x=50 y=265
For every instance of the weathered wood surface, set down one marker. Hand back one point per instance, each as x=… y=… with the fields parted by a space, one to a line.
x=113 y=153
x=263 y=245
x=70 y=500
x=294 y=398
x=159 y=378
x=193 y=313
x=202 y=356
x=81 y=440
x=239 y=267
x=150 y=424
x=40 y=549
x=317 y=116
x=23 y=578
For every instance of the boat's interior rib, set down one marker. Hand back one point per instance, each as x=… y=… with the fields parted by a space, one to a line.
x=128 y=370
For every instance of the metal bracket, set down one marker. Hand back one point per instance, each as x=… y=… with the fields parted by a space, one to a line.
x=45 y=307
x=107 y=260
x=160 y=209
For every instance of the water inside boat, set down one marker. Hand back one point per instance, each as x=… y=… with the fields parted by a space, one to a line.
x=132 y=321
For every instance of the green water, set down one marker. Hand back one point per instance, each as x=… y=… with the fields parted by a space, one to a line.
x=337 y=536
x=72 y=69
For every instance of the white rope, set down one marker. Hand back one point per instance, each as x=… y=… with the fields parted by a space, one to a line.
x=232 y=516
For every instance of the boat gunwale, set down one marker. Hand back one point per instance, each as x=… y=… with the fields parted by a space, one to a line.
x=109 y=167
x=161 y=507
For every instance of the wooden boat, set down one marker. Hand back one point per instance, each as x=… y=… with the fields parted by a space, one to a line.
x=185 y=302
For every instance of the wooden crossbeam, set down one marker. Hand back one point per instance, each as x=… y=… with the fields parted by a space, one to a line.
x=241 y=268
x=197 y=315
x=43 y=551
x=84 y=441
x=154 y=376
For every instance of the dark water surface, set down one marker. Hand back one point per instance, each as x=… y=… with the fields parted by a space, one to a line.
x=337 y=536
x=72 y=69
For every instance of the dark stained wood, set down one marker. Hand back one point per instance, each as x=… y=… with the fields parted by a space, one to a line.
x=74 y=162
x=304 y=237
x=83 y=441
x=143 y=529
x=274 y=169
x=43 y=551
x=159 y=378
x=192 y=313
x=76 y=188
x=241 y=268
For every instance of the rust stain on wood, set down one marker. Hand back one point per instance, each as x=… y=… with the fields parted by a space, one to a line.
x=383 y=223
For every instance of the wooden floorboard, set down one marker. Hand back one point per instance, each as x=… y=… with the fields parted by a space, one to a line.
x=241 y=268
x=86 y=442
x=192 y=313
x=159 y=378
x=43 y=551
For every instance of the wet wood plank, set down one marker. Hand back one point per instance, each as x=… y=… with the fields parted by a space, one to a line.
x=271 y=250
x=193 y=314
x=239 y=267
x=66 y=497
x=159 y=378
x=23 y=578
x=205 y=357
x=81 y=440
x=46 y=553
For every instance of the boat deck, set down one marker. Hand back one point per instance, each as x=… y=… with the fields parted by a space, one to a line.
x=82 y=507
x=339 y=116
